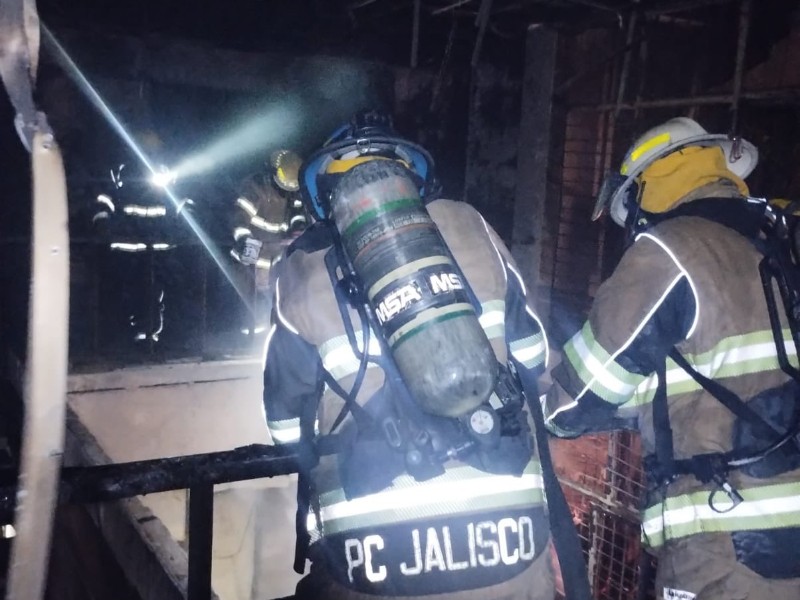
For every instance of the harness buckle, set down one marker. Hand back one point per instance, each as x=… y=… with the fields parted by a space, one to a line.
x=731 y=492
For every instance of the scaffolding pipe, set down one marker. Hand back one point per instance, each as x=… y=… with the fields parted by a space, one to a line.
x=450 y=6
x=626 y=61
x=415 y=35
x=594 y=4
x=683 y=6
x=482 y=21
x=361 y=4
x=785 y=96
x=643 y=56
x=437 y=86
x=741 y=50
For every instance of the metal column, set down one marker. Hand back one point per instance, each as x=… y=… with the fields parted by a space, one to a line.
x=201 y=537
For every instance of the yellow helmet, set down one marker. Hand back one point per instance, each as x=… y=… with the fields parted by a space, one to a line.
x=285 y=166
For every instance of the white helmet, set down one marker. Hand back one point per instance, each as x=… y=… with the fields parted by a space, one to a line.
x=740 y=155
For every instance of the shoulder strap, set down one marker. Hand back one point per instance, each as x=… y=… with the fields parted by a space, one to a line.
x=565 y=535
x=363 y=420
x=308 y=457
x=779 y=267
x=662 y=428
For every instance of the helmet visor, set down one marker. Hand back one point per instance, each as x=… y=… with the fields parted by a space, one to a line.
x=611 y=185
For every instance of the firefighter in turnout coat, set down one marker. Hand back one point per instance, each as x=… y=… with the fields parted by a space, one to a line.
x=473 y=526
x=268 y=215
x=677 y=341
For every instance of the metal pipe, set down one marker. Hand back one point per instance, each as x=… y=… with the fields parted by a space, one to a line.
x=593 y=4
x=415 y=35
x=451 y=6
x=741 y=50
x=482 y=21
x=791 y=96
x=695 y=87
x=643 y=72
x=437 y=87
x=104 y=483
x=626 y=61
x=361 y=4
x=684 y=5
x=201 y=539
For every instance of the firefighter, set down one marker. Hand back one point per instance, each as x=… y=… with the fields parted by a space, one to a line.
x=679 y=345
x=268 y=215
x=390 y=514
x=141 y=226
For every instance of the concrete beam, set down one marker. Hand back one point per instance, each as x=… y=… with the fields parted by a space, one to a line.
x=534 y=190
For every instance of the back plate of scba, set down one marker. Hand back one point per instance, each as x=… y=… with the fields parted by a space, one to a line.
x=414 y=288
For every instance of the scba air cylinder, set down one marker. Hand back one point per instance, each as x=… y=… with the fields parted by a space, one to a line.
x=414 y=289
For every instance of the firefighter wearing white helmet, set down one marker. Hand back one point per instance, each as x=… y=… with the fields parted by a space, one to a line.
x=620 y=191
x=679 y=345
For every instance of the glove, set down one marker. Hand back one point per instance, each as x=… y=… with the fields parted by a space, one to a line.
x=249 y=250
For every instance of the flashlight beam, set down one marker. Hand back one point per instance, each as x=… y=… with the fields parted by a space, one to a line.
x=255 y=135
x=102 y=106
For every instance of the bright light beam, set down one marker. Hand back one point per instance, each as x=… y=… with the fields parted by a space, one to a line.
x=163 y=178
x=83 y=83
x=278 y=123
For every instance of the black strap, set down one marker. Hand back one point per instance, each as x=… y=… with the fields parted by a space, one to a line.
x=646 y=572
x=779 y=267
x=725 y=396
x=302 y=538
x=308 y=458
x=665 y=452
x=702 y=466
x=565 y=535
x=362 y=418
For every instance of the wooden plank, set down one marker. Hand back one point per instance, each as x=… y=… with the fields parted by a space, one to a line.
x=45 y=374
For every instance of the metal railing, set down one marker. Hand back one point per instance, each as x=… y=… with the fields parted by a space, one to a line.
x=196 y=473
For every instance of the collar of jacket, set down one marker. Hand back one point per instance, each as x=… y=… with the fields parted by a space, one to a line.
x=735 y=212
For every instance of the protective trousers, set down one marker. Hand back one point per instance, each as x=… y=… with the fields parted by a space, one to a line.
x=535 y=583
x=705 y=567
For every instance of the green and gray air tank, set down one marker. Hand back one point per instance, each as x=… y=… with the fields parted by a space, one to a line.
x=414 y=288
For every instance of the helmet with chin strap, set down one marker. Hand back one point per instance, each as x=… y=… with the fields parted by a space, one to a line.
x=369 y=135
x=619 y=192
x=284 y=165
